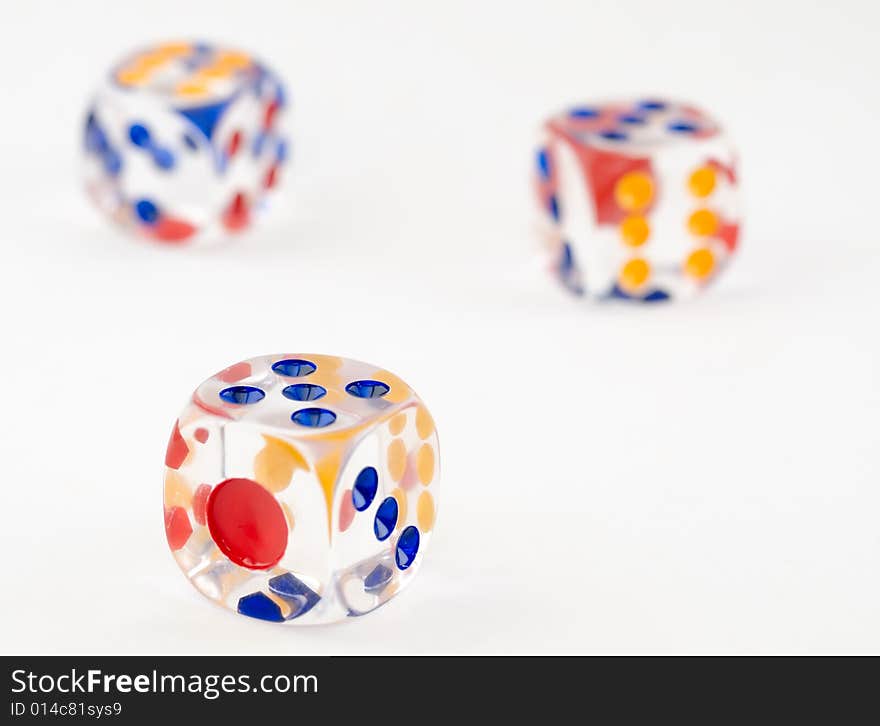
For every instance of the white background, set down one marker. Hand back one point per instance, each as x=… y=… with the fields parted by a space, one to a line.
x=694 y=477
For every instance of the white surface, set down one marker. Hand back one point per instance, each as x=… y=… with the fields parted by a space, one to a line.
x=690 y=477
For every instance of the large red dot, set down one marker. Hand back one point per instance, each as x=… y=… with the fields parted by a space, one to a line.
x=247 y=523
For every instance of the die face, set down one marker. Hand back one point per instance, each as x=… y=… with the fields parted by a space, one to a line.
x=276 y=475
x=640 y=199
x=386 y=493
x=184 y=141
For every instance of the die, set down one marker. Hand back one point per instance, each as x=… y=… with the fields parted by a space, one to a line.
x=639 y=199
x=301 y=488
x=184 y=142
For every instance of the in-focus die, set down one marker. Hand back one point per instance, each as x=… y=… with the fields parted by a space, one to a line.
x=301 y=488
x=640 y=199
x=184 y=141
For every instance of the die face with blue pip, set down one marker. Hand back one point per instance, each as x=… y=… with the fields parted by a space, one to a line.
x=185 y=141
x=301 y=488
x=638 y=198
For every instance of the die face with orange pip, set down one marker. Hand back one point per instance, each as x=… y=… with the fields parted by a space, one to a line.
x=185 y=143
x=301 y=488
x=639 y=199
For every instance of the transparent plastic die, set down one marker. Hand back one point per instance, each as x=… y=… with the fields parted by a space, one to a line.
x=301 y=488
x=184 y=142
x=639 y=199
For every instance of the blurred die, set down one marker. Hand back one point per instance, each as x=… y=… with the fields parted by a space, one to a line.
x=183 y=141
x=639 y=199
